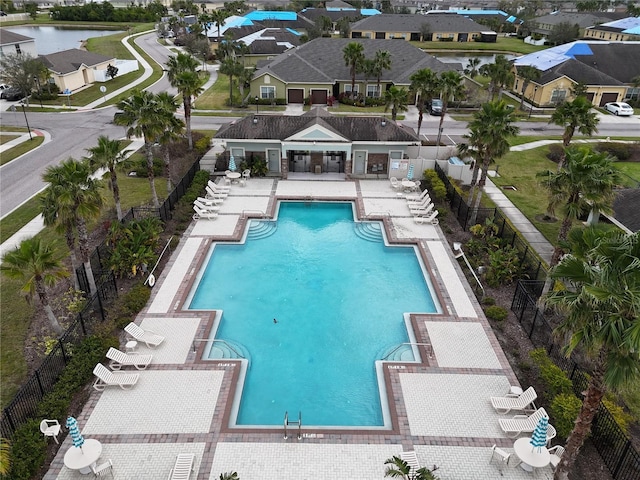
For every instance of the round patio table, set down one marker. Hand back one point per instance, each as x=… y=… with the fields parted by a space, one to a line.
x=531 y=457
x=81 y=459
x=233 y=175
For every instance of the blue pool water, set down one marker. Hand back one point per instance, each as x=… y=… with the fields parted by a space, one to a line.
x=339 y=302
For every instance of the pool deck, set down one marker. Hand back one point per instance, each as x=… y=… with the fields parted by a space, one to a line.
x=181 y=404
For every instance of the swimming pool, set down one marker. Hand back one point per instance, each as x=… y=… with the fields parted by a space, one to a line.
x=314 y=305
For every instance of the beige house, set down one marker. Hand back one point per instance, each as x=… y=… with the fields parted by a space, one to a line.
x=13 y=43
x=626 y=29
x=75 y=68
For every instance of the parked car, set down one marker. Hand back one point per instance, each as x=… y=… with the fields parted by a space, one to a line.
x=435 y=107
x=619 y=108
x=12 y=94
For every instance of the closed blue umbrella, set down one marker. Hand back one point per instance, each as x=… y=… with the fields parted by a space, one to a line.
x=74 y=431
x=410 y=174
x=232 y=164
x=539 y=437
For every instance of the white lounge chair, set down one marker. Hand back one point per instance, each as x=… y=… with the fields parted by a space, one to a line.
x=213 y=196
x=215 y=186
x=422 y=203
x=107 y=378
x=208 y=203
x=417 y=198
x=521 y=423
x=425 y=210
x=412 y=460
x=521 y=403
x=201 y=213
x=430 y=218
x=148 y=337
x=50 y=428
x=419 y=201
x=211 y=193
x=183 y=467
x=120 y=359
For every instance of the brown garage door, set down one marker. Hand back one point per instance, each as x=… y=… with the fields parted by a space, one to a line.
x=590 y=96
x=318 y=97
x=608 y=97
x=295 y=95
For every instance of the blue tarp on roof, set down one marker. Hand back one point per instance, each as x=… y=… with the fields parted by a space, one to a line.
x=338 y=9
x=367 y=12
x=480 y=12
x=624 y=23
x=632 y=31
x=511 y=19
x=237 y=22
x=579 y=49
x=259 y=15
x=293 y=31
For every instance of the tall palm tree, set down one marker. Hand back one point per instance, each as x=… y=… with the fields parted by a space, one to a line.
x=183 y=75
x=37 y=264
x=233 y=68
x=173 y=128
x=353 y=54
x=381 y=62
x=487 y=140
x=528 y=73
x=396 y=99
x=424 y=84
x=218 y=17
x=471 y=70
x=499 y=73
x=107 y=155
x=586 y=182
x=142 y=114
x=74 y=198
x=574 y=115
x=600 y=305
x=450 y=85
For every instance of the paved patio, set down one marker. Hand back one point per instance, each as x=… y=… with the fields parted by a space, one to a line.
x=439 y=408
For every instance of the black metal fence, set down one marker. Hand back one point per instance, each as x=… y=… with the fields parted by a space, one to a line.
x=611 y=442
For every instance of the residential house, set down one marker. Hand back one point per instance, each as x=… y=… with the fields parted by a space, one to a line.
x=606 y=68
x=319 y=142
x=335 y=14
x=75 y=68
x=233 y=21
x=280 y=19
x=545 y=24
x=316 y=70
x=263 y=43
x=437 y=27
x=14 y=43
x=626 y=29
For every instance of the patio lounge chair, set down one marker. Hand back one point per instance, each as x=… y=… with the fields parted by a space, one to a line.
x=148 y=337
x=212 y=196
x=521 y=423
x=430 y=218
x=120 y=359
x=201 y=213
x=212 y=193
x=424 y=210
x=412 y=460
x=416 y=203
x=208 y=203
x=418 y=198
x=183 y=467
x=521 y=403
x=214 y=186
x=106 y=378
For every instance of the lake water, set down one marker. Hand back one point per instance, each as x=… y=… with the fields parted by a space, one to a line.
x=55 y=39
x=463 y=58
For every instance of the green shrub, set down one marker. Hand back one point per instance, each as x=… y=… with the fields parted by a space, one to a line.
x=495 y=312
x=564 y=411
x=28 y=451
x=140 y=167
x=488 y=301
x=197 y=187
x=136 y=298
x=504 y=266
x=436 y=187
x=622 y=418
x=202 y=145
x=621 y=151
x=555 y=379
x=134 y=245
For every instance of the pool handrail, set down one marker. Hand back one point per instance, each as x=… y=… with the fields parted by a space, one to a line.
x=398 y=347
x=193 y=344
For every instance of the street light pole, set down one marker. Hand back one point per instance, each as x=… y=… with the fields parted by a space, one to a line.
x=26 y=120
x=35 y=77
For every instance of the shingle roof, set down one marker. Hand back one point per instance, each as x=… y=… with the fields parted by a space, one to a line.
x=626 y=208
x=446 y=22
x=578 y=72
x=9 y=38
x=355 y=129
x=265 y=41
x=314 y=13
x=583 y=19
x=69 y=61
x=321 y=60
x=618 y=60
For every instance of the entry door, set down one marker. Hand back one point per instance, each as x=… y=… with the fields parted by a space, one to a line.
x=300 y=163
x=359 y=162
x=273 y=160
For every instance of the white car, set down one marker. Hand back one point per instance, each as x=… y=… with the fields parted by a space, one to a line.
x=619 y=108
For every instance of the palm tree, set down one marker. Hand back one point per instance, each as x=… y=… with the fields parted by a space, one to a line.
x=244 y=81
x=353 y=54
x=74 y=198
x=184 y=77
x=471 y=70
x=229 y=476
x=399 y=468
x=528 y=73
x=574 y=115
x=450 y=85
x=107 y=155
x=396 y=99
x=586 y=182
x=38 y=265
x=424 y=85
x=218 y=17
x=173 y=128
x=487 y=140
x=381 y=62
x=499 y=73
x=601 y=308
x=233 y=68
x=142 y=115
x=5 y=456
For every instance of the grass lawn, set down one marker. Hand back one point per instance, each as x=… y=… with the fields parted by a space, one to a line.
x=503 y=44
x=4 y=138
x=216 y=97
x=20 y=149
x=630 y=173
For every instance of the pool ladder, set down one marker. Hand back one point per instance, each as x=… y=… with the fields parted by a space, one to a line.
x=288 y=422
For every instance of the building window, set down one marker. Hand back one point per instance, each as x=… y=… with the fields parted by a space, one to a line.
x=18 y=51
x=373 y=91
x=347 y=88
x=267 y=92
x=558 y=96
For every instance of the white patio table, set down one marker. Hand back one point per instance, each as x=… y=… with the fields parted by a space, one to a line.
x=531 y=457
x=81 y=459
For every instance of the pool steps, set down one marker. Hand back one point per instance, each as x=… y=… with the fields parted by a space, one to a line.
x=227 y=349
x=398 y=353
x=261 y=229
x=370 y=231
